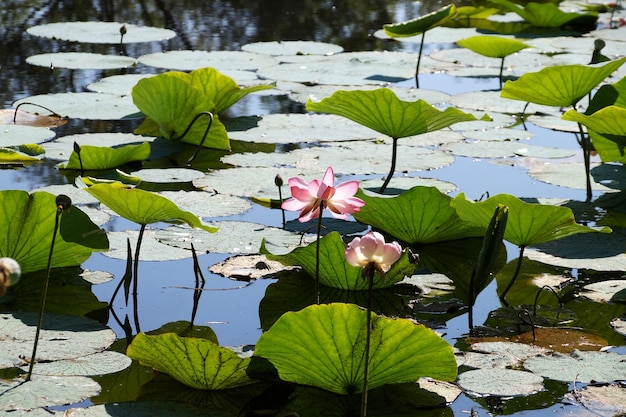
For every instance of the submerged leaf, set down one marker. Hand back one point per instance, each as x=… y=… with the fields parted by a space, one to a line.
x=197 y=363
x=323 y=346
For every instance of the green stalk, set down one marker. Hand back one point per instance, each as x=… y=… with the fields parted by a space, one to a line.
x=518 y=266
x=394 y=154
x=368 y=272
x=317 y=254
x=135 y=276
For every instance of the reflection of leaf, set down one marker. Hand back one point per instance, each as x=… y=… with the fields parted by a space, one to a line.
x=198 y=363
x=335 y=271
x=143 y=207
x=417 y=216
x=104 y=157
x=323 y=346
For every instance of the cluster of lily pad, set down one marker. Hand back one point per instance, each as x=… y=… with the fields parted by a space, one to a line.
x=424 y=219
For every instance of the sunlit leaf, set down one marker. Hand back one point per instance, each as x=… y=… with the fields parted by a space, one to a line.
x=559 y=85
x=528 y=224
x=45 y=391
x=500 y=382
x=492 y=46
x=81 y=60
x=8 y=155
x=335 y=271
x=382 y=111
x=171 y=103
x=323 y=346
x=417 y=216
x=27 y=226
x=143 y=207
x=548 y=14
x=421 y=24
x=104 y=157
x=198 y=363
x=608 y=123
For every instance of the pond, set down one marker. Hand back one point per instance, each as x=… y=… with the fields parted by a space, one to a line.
x=536 y=157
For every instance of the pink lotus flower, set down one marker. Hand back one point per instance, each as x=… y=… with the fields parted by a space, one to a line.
x=371 y=251
x=311 y=198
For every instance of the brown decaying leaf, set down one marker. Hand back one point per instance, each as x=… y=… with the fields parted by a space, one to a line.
x=29 y=119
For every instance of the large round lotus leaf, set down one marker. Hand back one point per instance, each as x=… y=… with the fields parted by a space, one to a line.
x=168 y=175
x=298 y=128
x=490 y=149
x=579 y=366
x=206 y=204
x=348 y=158
x=570 y=174
x=233 y=237
x=351 y=68
x=61 y=148
x=220 y=60
x=596 y=251
x=100 y=32
x=323 y=346
x=121 y=85
x=45 y=391
x=81 y=60
x=100 y=363
x=436 y=138
x=83 y=105
x=398 y=185
x=518 y=63
x=302 y=93
x=500 y=354
x=293 y=48
x=553 y=122
x=61 y=337
x=491 y=101
x=492 y=46
x=15 y=135
x=250 y=182
x=500 y=382
x=151 y=249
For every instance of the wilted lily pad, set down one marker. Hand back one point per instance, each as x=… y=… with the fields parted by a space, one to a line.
x=579 y=366
x=22 y=118
x=92 y=106
x=198 y=363
x=500 y=382
x=322 y=346
x=81 y=60
x=100 y=32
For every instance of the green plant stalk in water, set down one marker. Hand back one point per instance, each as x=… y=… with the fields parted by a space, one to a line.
x=63 y=202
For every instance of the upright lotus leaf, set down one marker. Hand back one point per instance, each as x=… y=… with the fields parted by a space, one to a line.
x=323 y=346
x=607 y=122
x=421 y=24
x=103 y=157
x=196 y=362
x=492 y=46
x=221 y=89
x=559 y=85
x=335 y=271
x=382 y=111
x=171 y=103
x=608 y=95
x=528 y=224
x=417 y=216
x=548 y=15
x=143 y=207
x=26 y=231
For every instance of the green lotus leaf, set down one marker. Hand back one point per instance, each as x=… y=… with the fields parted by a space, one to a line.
x=607 y=123
x=221 y=89
x=171 y=103
x=492 y=46
x=103 y=157
x=421 y=24
x=418 y=216
x=473 y=12
x=559 y=85
x=382 y=111
x=323 y=346
x=548 y=15
x=335 y=271
x=26 y=232
x=528 y=224
x=14 y=156
x=143 y=207
x=610 y=150
x=607 y=95
x=195 y=362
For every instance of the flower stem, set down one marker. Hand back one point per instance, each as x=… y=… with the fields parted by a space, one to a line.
x=317 y=255
x=369 y=272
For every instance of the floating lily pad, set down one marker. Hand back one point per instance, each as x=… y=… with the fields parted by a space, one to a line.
x=292 y=48
x=206 y=204
x=500 y=354
x=81 y=60
x=62 y=337
x=490 y=149
x=45 y=391
x=570 y=174
x=151 y=248
x=500 y=382
x=83 y=105
x=490 y=101
x=168 y=175
x=498 y=134
x=604 y=400
x=348 y=157
x=603 y=291
x=579 y=366
x=553 y=122
x=619 y=326
x=100 y=363
x=100 y=32
x=77 y=195
x=398 y=185
x=298 y=128
x=233 y=237
x=121 y=85
x=220 y=60
x=14 y=135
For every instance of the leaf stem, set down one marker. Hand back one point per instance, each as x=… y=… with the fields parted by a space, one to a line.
x=317 y=254
x=515 y=274
x=419 y=58
x=135 y=278
x=394 y=154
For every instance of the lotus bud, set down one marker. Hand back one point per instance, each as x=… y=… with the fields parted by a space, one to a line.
x=10 y=273
x=278 y=180
x=63 y=202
